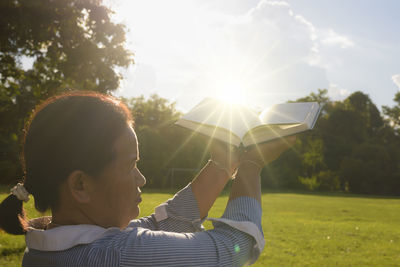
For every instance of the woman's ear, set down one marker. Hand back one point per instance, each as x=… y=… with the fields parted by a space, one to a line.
x=79 y=186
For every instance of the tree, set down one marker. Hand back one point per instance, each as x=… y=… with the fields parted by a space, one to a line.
x=299 y=166
x=283 y=173
x=73 y=44
x=393 y=114
x=162 y=144
x=348 y=149
x=363 y=105
x=367 y=170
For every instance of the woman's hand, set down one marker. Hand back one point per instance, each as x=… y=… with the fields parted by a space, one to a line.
x=263 y=154
x=209 y=183
x=247 y=181
x=225 y=154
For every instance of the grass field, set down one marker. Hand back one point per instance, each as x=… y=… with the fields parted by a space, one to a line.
x=300 y=230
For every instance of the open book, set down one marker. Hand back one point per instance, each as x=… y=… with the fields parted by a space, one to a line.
x=239 y=125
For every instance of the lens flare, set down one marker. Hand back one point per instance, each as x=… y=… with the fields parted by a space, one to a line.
x=232 y=92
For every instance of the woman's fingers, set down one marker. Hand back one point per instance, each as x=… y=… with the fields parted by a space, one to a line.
x=279 y=144
x=283 y=143
x=263 y=154
x=268 y=152
x=224 y=153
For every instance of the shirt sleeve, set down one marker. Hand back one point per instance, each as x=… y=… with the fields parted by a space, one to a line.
x=244 y=214
x=231 y=243
x=179 y=214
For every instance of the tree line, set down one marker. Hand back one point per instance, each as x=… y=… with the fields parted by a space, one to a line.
x=354 y=147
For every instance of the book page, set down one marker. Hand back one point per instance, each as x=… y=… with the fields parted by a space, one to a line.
x=233 y=117
x=288 y=113
x=269 y=132
x=215 y=132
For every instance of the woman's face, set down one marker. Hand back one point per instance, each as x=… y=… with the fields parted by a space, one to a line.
x=116 y=193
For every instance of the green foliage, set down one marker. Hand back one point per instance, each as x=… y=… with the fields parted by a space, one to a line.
x=164 y=146
x=351 y=148
x=283 y=173
x=310 y=183
x=393 y=114
x=361 y=104
x=328 y=181
x=72 y=44
x=366 y=169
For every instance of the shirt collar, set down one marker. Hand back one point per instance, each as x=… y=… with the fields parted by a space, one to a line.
x=64 y=237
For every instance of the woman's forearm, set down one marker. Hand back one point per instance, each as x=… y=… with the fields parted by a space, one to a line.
x=207 y=186
x=247 y=182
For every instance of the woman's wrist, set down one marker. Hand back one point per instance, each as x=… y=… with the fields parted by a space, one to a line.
x=223 y=166
x=249 y=165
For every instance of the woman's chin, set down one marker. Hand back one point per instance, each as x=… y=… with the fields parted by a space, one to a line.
x=136 y=213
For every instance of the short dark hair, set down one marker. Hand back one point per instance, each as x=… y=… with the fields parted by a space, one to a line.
x=68 y=132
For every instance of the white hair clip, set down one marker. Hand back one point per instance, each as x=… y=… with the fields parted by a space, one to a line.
x=20 y=192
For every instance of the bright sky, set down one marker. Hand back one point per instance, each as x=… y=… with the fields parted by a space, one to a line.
x=262 y=52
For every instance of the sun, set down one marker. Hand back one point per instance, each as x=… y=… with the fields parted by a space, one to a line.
x=232 y=92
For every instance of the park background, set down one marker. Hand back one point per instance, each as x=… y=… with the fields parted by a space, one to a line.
x=262 y=52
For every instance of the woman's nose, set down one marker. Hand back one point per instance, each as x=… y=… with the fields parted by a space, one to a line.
x=140 y=179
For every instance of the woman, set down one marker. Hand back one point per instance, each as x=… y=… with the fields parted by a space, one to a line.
x=80 y=161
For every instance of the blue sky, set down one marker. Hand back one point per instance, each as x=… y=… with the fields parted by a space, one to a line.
x=261 y=52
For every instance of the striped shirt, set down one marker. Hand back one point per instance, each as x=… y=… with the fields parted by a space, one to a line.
x=172 y=236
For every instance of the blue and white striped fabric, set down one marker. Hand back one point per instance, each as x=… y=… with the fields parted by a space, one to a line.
x=172 y=236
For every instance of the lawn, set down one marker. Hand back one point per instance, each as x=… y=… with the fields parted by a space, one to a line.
x=300 y=229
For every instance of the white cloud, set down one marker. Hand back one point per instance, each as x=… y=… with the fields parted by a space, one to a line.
x=138 y=79
x=335 y=92
x=396 y=80
x=292 y=55
x=332 y=38
x=184 y=47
